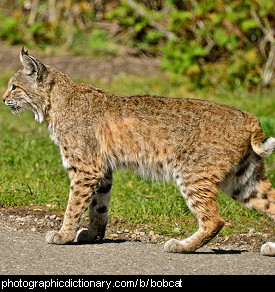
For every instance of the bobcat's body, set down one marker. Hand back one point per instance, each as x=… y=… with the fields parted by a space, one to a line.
x=200 y=145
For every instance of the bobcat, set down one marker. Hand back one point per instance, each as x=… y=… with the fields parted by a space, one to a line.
x=200 y=145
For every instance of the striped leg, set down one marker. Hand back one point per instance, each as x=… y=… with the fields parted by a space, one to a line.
x=98 y=214
x=202 y=202
x=83 y=184
x=249 y=185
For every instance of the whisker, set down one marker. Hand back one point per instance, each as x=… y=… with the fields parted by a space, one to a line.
x=18 y=113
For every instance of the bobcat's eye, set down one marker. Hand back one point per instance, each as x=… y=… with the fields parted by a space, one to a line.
x=13 y=87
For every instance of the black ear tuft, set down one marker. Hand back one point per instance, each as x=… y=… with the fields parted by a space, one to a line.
x=24 y=52
x=31 y=66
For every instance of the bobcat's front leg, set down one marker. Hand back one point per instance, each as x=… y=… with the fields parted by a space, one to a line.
x=98 y=212
x=83 y=185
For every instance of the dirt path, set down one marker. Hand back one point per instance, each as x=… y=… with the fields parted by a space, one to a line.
x=105 y=69
x=24 y=251
x=28 y=253
x=39 y=219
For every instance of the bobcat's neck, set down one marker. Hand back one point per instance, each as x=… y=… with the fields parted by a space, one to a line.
x=70 y=104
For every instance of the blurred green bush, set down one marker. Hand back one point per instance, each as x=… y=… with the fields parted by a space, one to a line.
x=211 y=42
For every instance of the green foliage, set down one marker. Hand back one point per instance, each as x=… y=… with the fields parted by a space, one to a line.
x=140 y=34
x=10 y=29
x=96 y=43
x=212 y=42
x=184 y=58
x=99 y=43
x=216 y=41
x=229 y=36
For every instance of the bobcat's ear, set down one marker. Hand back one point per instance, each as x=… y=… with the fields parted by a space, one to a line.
x=32 y=67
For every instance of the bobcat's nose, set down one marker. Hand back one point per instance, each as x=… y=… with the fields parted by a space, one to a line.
x=4 y=98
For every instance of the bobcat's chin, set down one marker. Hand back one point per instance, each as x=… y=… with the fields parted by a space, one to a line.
x=17 y=110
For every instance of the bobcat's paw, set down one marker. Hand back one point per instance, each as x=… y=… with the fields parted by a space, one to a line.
x=85 y=236
x=56 y=237
x=178 y=246
x=268 y=249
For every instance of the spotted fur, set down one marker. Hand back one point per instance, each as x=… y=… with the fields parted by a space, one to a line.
x=200 y=145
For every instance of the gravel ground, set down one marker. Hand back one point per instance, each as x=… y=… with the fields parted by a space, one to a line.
x=128 y=251
x=27 y=253
x=39 y=219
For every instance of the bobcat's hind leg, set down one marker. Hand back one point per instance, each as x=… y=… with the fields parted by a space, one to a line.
x=262 y=198
x=249 y=185
x=98 y=213
x=203 y=204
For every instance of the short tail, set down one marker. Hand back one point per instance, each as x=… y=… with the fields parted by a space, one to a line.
x=261 y=146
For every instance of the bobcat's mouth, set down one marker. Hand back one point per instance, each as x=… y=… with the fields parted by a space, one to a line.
x=15 y=110
x=13 y=106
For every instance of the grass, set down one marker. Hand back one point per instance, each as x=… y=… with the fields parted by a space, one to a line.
x=31 y=171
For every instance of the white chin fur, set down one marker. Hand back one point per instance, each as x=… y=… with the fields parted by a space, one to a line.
x=38 y=116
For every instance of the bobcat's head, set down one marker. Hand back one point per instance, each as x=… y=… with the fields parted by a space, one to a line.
x=27 y=89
